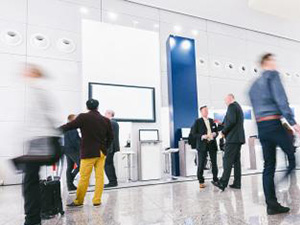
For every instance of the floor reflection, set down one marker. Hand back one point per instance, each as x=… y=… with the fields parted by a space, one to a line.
x=170 y=204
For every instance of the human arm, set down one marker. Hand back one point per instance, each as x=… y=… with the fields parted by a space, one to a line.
x=231 y=120
x=280 y=97
x=75 y=124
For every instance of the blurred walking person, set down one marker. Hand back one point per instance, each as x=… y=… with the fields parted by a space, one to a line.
x=72 y=152
x=114 y=147
x=270 y=104
x=97 y=136
x=41 y=139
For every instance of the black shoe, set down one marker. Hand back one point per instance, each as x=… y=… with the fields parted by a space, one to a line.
x=277 y=209
x=110 y=185
x=73 y=205
x=234 y=186
x=72 y=188
x=218 y=185
x=98 y=204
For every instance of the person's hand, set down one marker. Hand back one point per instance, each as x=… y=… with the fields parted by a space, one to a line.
x=297 y=128
x=204 y=137
x=222 y=135
x=214 y=134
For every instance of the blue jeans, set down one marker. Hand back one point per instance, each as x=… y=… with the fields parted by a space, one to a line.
x=273 y=134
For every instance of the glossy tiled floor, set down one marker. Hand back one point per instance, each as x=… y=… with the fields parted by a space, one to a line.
x=169 y=204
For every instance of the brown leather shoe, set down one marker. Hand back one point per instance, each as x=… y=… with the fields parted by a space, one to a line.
x=202 y=186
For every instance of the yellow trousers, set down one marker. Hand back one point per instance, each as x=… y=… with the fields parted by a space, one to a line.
x=86 y=169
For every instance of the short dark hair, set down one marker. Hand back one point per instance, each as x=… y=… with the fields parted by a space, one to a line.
x=265 y=57
x=202 y=107
x=71 y=116
x=92 y=104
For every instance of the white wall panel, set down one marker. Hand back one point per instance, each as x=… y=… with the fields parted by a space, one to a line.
x=11 y=71
x=12 y=37
x=56 y=48
x=184 y=21
x=233 y=12
x=12 y=104
x=218 y=28
x=131 y=21
x=11 y=134
x=226 y=46
x=121 y=6
x=87 y=3
x=58 y=14
x=13 y=10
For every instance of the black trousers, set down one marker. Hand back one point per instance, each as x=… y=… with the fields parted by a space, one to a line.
x=72 y=159
x=110 y=168
x=271 y=135
x=31 y=193
x=232 y=157
x=202 y=160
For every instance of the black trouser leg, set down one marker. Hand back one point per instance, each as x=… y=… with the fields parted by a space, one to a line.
x=202 y=156
x=31 y=192
x=237 y=168
x=70 y=166
x=72 y=159
x=273 y=134
x=110 y=168
x=230 y=154
x=214 y=164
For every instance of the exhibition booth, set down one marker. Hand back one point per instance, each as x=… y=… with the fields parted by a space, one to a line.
x=121 y=67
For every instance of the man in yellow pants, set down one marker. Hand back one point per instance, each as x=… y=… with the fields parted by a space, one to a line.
x=97 y=135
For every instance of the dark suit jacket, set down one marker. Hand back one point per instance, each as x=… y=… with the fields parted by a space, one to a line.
x=199 y=129
x=96 y=132
x=71 y=142
x=234 y=124
x=115 y=145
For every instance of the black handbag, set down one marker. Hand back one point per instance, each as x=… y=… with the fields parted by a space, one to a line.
x=41 y=151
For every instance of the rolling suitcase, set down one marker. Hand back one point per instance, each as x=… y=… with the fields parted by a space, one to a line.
x=51 y=197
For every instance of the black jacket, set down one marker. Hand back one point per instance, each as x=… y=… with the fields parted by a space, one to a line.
x=234 y=124
x=96 y=132
x=199 y=129
x=71 y=142
x=115 y=145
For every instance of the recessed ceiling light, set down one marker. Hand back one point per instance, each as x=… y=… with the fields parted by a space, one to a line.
x=172 y=42
x=84 y=10
x=195 y=32
x=112 y=16
x=177 y=28
x=186 y=45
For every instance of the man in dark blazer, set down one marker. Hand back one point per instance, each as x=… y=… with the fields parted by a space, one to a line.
x=114 y=147
x=205 y=132
x=72 y=152
x=234 y=134
x=97 y=136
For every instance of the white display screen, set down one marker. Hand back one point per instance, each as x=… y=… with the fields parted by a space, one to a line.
x=185 y=132
x=149 y=135
x=130 y=103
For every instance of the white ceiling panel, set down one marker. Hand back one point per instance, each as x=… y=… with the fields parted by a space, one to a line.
x=236 y=13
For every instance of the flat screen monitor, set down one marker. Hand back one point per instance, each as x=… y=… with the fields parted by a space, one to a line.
x=185 y=132
x=130 y=103
x=149 y=135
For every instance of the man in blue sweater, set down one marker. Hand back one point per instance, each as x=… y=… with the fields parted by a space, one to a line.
x=72 y=152
x=270 y=104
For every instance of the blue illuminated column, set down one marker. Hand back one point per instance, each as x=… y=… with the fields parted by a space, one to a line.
x=182 y=79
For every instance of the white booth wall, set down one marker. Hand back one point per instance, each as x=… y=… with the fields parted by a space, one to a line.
x=121 y=55
x=61 y=19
